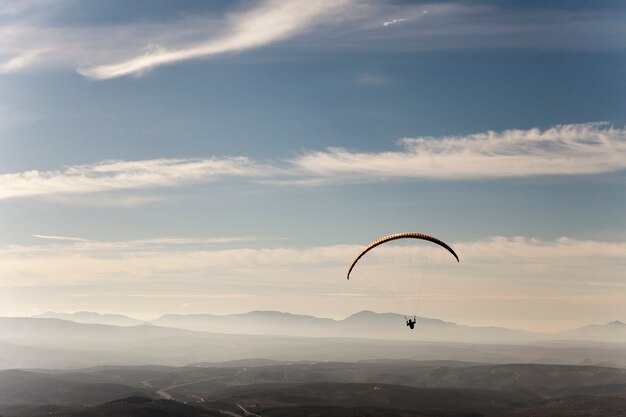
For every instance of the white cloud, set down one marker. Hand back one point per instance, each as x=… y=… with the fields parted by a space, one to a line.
x=20 y=61
x=162 y=243
x=504 y=274
x=580 y=149
x=589 y=148
x=16 y=7
x=31 y=38
x=69 y=238
x=79 y=262
x=85 y=245
x=92 y=262
x=272 y=21
x=371 y=79
x=394 y=21
x=126 y=175
x=562 y=150
x=112 y=198
x=523 y=249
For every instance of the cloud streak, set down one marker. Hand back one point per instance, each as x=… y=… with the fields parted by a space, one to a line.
x=580 y=149
x=163 y=242
x=19 y=61
x=126 y=175
x=550 y=275
x=31 y=37
x=74 y=262
x=271 y=22
x=394 y=21
x=524 y=249
x=589 y=148
x=66 y=238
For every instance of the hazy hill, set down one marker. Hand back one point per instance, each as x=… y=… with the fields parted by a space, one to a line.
x=363 y=324
x=244 y=322
x=65 y=333
x=53 y=343
x=614 y=331
x=254 y=322
x=25 y=387
x=91 y=317
x=14 y=355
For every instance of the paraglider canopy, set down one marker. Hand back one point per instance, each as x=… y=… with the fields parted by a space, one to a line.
x=397 y=236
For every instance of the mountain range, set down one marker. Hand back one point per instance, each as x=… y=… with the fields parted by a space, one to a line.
x=91 y=317
x=28 y=342
x=365 y=324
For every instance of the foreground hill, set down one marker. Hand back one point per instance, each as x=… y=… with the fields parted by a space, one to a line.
x=346 y=400
x=198 y=384
x=333 y=399
x=370 y=388
x=549 y=381
x=266 y=397
x=134 y=406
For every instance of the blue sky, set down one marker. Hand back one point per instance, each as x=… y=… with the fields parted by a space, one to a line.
x=229 y=156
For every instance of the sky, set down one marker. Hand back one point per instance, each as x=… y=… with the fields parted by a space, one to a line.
x=228 y=156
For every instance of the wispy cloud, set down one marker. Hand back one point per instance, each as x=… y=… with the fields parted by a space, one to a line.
x=589 y=148
x=505 y=274
x=580 y=149
x=16 y=7
x=272 y=21
x=167 y=242
x=92 y=262
x=113 y=198
x=367 y=78
x=394 y=21
x=523 y=249
x=67 y=238
x=19 y=61
x=125 y=175
x=73 y=262
x=31 y=36
x=162 y=242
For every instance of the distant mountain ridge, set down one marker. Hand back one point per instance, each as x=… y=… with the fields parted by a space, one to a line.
x=91 y=317
x=365 y=323
x=614 y=331
x=52 y=343
x=613 y=324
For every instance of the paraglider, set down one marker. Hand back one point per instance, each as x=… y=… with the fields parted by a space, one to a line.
x=408 y=284
x=389 y=238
